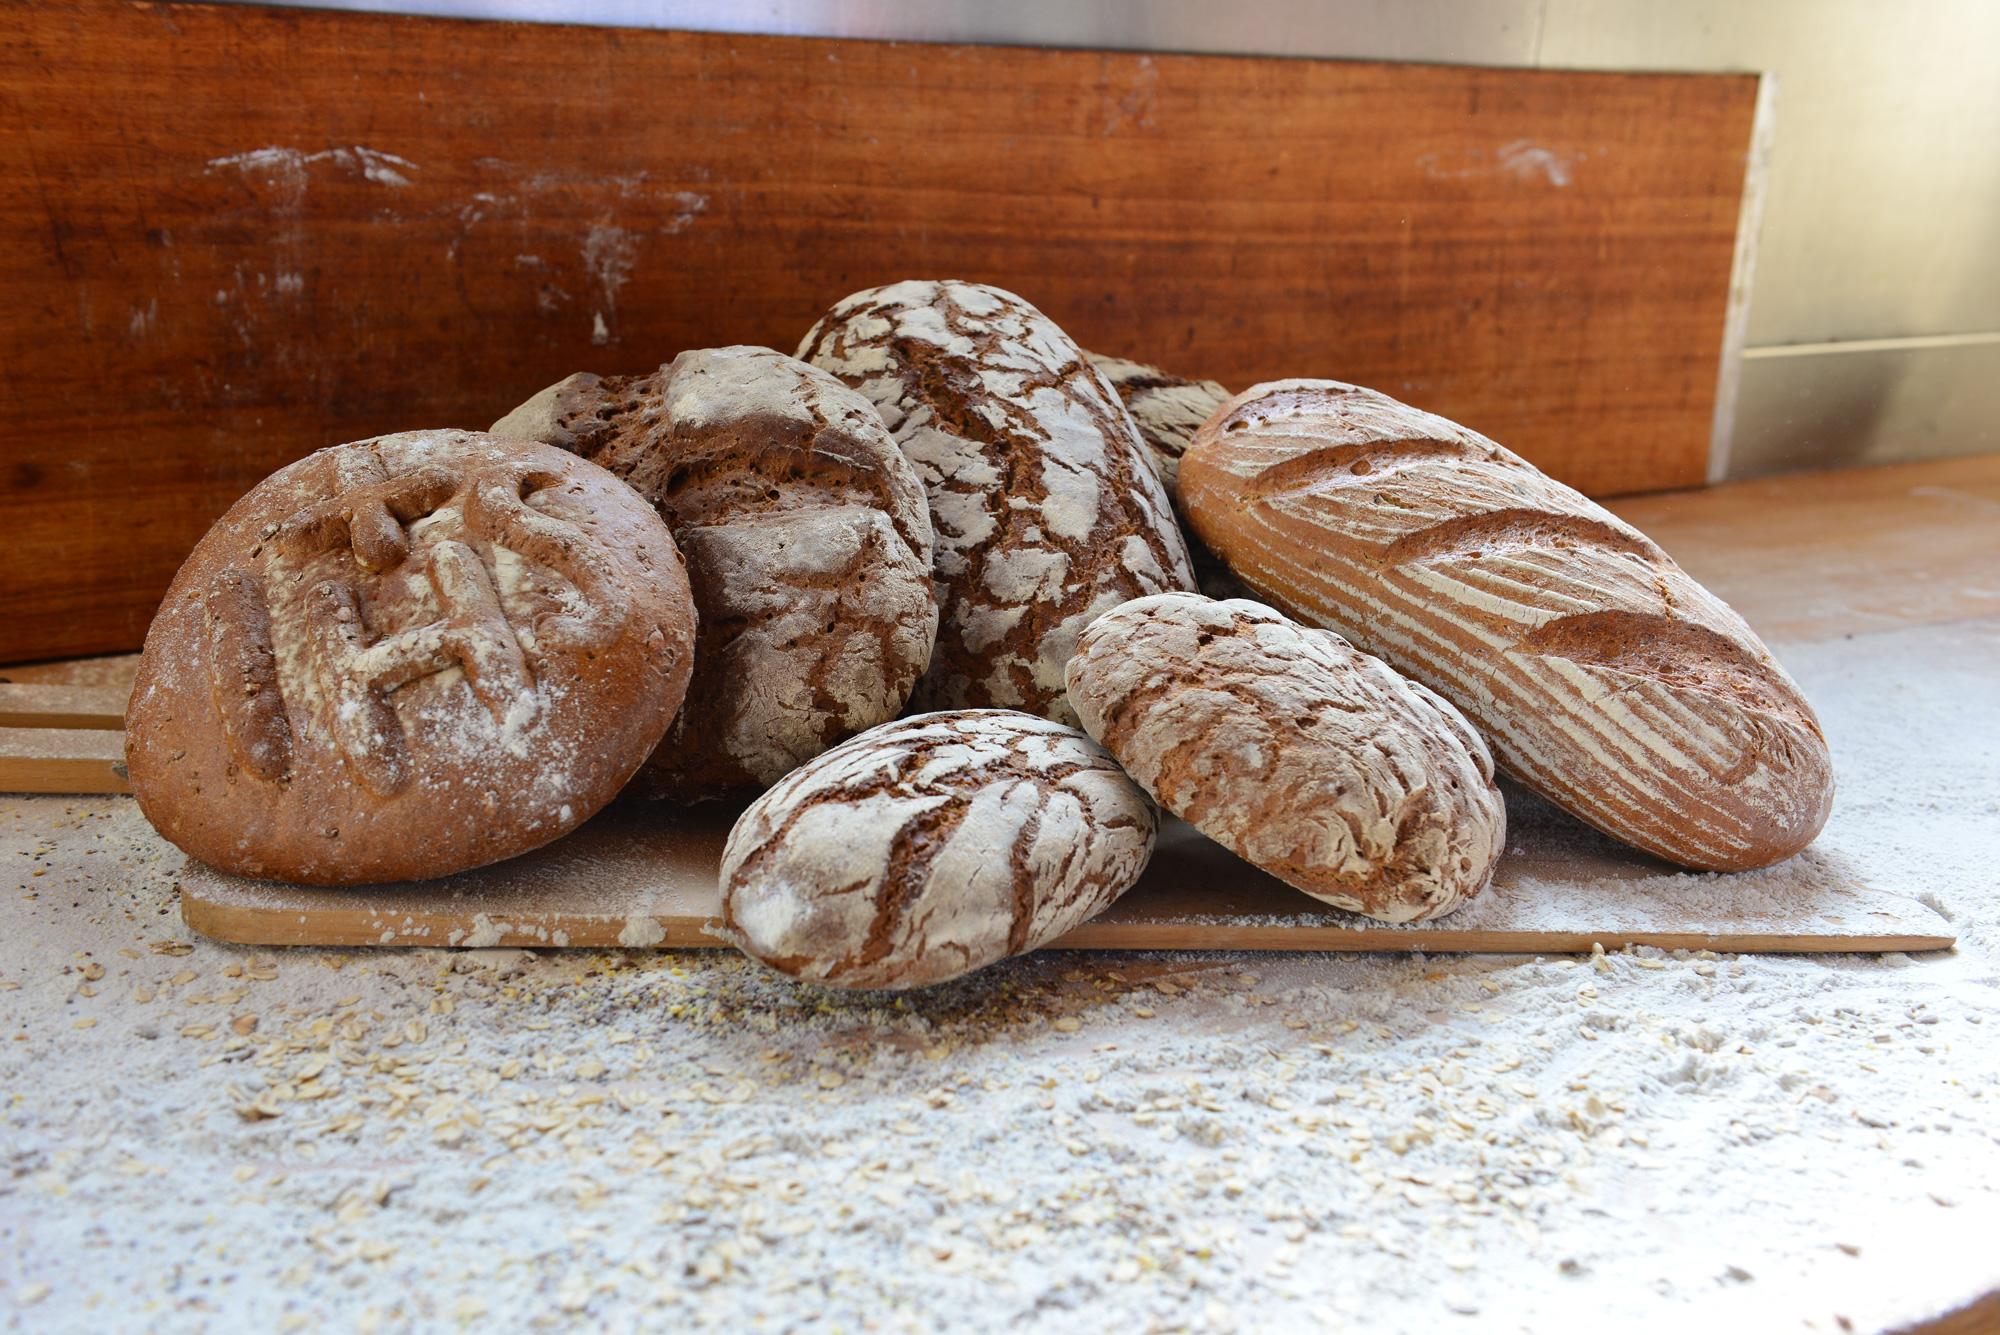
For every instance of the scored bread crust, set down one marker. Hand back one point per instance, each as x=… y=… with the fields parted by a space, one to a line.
x=1603 y=676
x=407 y=657
x=931 y=846
x=1287 y=746
x=1046 y=508
x=808 y=546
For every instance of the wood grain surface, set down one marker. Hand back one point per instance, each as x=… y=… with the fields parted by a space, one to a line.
x=229 y=236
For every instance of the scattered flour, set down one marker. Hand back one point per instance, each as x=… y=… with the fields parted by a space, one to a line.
x=205 y=1137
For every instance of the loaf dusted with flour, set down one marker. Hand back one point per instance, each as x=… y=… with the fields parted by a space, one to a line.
x=808 y=546
x=407 y=657
x=1287 y=746
x=932 y=846
x=1603 y=677
x=1046 y=509
x=1168 y=410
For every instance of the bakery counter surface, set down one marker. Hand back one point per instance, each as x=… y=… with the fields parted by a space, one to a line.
x=211 y=1137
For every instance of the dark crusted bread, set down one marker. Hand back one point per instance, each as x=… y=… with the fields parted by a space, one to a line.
x=406 y=657
x=1603 y=677
x=1046 y=507
x=932 y=846
x=1284 y=744
x=808 y=544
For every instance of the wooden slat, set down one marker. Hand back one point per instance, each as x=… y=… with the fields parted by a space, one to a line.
x=36 y=706
x=230 y=236
x=643 y=875
x=62 y=760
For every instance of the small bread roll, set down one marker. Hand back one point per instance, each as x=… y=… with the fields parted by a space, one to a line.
x=932 y=846
x=1287 y=746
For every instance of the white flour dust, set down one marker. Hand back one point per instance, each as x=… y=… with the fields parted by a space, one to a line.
x=207 y=1137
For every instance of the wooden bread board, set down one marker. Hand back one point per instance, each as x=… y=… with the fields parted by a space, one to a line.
x=644 y=875
x=62 y=739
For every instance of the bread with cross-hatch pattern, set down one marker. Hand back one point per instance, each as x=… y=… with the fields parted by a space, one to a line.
x=931 y=846
x=808 y=546
x=407 y=657
x=1046 y=507
x=1603 y=676
x=1287 y=746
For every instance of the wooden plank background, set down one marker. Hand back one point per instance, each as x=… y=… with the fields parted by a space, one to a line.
x=230 y=236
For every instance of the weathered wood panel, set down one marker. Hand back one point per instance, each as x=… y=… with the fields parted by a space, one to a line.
x=230 y=236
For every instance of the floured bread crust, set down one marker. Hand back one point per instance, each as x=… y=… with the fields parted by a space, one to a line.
x=930 y=847
x=406 y=657
x=1284 y=744
x=1046 y=508
x=1168 y=410
x=1603 y=677
x=808 y=545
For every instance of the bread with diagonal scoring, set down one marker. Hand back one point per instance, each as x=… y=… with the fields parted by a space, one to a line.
x=1046 y=508
x=1287 y=746
x=1603 y=676
x=931 y=846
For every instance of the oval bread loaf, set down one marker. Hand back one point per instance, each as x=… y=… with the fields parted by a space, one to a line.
x=1168 y=410
x=1603 y=677
x=1046 y=509
x=1288 y=747
x=407 y=657
x=808 y=546
x=932 y=846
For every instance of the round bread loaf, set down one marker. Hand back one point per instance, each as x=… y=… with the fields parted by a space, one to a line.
x=1167 y=409
x=1603 y=677
x=1046 y=508
x=930 y=847
x=406 y=657
x=1288 y=747
x=808 y=545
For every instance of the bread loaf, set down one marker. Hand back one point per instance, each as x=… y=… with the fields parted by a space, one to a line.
x=1167 y=409
x=1288 y=747
x=406 y=657
x=932 y=846
x=1603 y=677
x=1046 y=509
x=808 y=545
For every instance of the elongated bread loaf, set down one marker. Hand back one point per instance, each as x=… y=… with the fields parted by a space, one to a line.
x=931 y=846
x=1288 y=747
x=1046 y=507
x=1604 y=677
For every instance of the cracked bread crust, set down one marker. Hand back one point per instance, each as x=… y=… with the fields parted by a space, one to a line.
x=1046 y=508
x=1286 y=745
x=1168 y=410
x=407 y=657
x=930 y=847
x=1603 y=677
x=808 y=546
